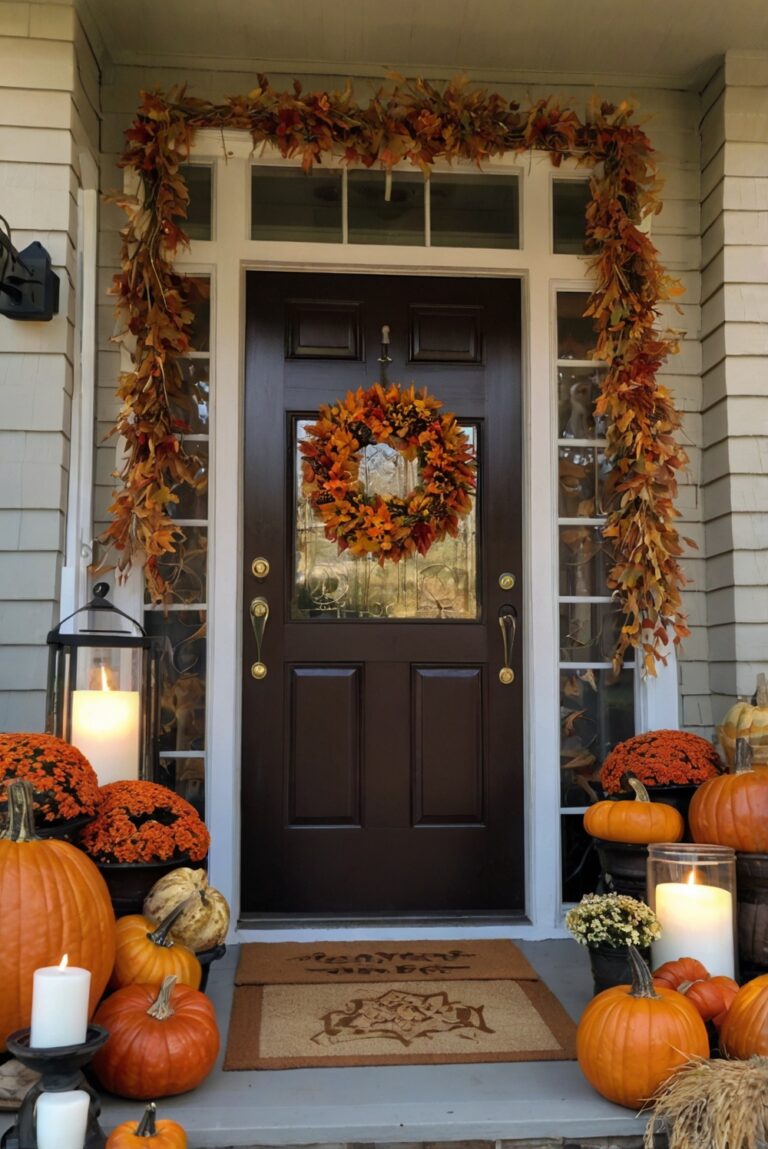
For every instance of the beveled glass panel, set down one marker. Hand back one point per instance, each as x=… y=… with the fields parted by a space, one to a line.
x=440 y=584
x=585 y=559
x=193 y=502
x=289 y=204
x=597 y=711
x=182 y=677
x=589 y=631
x=199 y=180
x=191 y=409
x=570 y=199
x=474 y=211
x=185 y=569
x=575 y=332
x=577 y=390
x=185 y=776
x=374 y=219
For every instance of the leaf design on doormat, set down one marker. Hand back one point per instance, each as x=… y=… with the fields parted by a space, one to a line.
x=402 y=1017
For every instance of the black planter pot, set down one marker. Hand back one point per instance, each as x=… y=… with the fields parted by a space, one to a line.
x=752 y=911
x=610 y=966
x=130 y=882
x=67 y=831
x=624 y=868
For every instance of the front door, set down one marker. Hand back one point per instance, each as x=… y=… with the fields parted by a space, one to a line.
x=382 y=764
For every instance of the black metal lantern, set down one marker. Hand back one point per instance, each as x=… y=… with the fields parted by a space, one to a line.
x=103 y=691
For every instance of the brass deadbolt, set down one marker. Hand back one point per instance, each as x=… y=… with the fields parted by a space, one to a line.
x=260 y=567
x=507 y=581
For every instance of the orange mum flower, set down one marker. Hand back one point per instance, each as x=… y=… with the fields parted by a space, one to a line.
x=144 y=822
x=64 y=782
x=661 y=758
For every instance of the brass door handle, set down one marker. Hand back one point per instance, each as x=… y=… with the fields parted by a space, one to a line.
x=508 y=626
x=259 y=612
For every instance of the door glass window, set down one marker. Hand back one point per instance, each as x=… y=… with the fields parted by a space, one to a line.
x=375 y=219
x=326 y=584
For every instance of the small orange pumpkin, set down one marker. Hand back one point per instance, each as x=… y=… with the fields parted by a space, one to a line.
x=146 y=954
x=744 y=1033
x=631 y=1039
x=149 y=1133
x=160 y=1043
x=712 y=996
x=673 y=974
x=732 y=809
x=637 y=820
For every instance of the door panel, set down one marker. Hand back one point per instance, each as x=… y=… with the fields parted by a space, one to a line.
x=382 y=756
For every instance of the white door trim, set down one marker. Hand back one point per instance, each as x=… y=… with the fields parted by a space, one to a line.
x=226 y=258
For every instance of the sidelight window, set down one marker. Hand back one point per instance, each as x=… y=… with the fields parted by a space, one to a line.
x=181 y=624
x=597 y=707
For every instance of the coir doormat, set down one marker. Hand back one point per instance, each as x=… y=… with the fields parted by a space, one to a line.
x=384 y=1003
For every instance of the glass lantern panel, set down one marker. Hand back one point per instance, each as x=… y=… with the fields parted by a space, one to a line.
x=108 y=668
x=570 y=199
x=105 y=717
x=326 y=584
x=474 y=211
x=597 y=711
x=182 y=677
x=575 y=332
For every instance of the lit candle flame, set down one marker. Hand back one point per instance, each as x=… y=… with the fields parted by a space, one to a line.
x=692 y=878
x=104 y=679
x=64 y=962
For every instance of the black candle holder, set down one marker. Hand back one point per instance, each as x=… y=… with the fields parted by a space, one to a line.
x=61 y=1070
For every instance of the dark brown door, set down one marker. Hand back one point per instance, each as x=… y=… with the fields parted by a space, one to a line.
x=382 y=755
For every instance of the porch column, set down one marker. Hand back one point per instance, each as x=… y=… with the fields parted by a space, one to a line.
x=735 y=381
x=49 y=99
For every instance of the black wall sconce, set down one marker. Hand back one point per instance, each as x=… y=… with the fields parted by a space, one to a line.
x=29 y=289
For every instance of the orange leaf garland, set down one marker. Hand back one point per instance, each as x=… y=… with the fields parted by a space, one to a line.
x=419 y=123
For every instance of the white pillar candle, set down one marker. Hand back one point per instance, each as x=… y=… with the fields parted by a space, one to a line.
x=61 y=1119
x=105 y=727
x=59 y=1005
x=696 y=921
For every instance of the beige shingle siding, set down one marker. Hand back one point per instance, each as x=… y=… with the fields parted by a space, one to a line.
x=48 y=110
x=735 y=361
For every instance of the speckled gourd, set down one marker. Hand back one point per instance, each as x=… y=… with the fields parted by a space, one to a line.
x=205 y=921
x=744 y=720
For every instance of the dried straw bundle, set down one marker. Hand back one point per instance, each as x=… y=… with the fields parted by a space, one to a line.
x=714 y=1105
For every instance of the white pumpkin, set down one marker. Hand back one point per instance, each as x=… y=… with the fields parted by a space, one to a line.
x=205 y=921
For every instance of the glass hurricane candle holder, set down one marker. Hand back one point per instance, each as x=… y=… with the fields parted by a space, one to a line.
x=692 y=890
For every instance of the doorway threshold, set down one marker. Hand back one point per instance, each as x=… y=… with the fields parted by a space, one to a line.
x=372 y=922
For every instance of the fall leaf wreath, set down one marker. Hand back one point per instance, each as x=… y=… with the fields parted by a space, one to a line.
x=389 y=527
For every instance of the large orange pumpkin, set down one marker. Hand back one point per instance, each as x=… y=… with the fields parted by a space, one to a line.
x=744 y=720
x=632 y=1038
x=53 y=901
x=638 y=821
x=146 y=954
x=160 y=1043
x=732 y=809
x=744 y=1033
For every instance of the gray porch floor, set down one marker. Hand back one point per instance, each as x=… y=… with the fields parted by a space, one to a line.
x=429 y=1103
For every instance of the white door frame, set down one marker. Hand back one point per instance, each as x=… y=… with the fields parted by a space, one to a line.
x=226 y=258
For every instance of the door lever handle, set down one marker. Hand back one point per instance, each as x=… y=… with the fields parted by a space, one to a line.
x=259 y=612
x=508 y=625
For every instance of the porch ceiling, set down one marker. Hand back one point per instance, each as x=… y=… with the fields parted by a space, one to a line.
x=652 y=42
